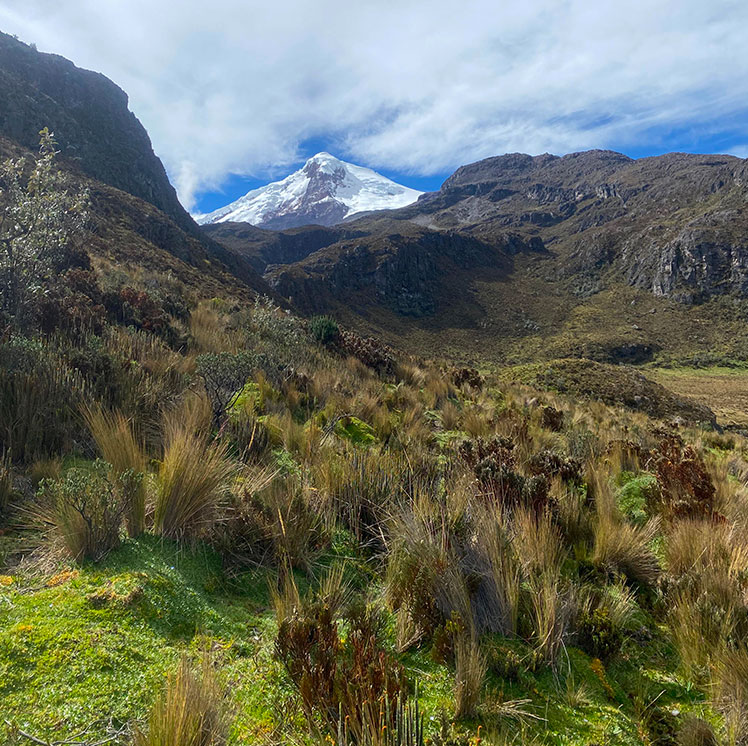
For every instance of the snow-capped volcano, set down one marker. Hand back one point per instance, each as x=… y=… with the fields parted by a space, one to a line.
x=324 y=192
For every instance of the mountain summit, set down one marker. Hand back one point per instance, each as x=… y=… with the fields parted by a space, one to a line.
x=324 y=192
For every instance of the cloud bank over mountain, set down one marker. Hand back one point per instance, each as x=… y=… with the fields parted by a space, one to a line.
x=409 y=86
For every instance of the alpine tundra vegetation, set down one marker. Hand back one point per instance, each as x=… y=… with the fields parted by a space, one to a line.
x=245 y=498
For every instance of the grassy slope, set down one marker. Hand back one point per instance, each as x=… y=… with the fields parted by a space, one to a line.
x=87 y=645
x=724 y=390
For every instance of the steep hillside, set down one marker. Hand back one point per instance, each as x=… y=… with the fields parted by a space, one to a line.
x=100 y=139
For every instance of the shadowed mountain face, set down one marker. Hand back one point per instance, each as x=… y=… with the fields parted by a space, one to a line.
x=100 y=139
x=90 y=119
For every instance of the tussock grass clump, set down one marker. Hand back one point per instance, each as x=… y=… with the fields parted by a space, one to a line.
x=730 y=691
x=696 y=732
x=208 y=332
x=707 y=564
x=119 y=445
x=6 y=485
x=193 y=480
x=192 y=710
x=470 y=673
x=505 y=568
x=38 y=397
x=272 y=518
x=622 y=548
x=363 y=487
x=45 y=468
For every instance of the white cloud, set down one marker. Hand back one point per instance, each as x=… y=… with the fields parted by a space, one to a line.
x=418 y=85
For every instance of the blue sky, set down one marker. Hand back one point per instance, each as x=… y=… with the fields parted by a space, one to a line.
x=722 y=137
x=236 y=93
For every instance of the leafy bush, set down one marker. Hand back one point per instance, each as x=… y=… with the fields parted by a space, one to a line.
x=278 y=338
x=637 y=495
x=85 y=509
x=345 y=682
x=605 y=615
x=41 y=216
x=355 y=430
x=469 y=376
x=324 y=329
x=598 y=635
x=686 y=489
x=371 y=352
x=225 y=375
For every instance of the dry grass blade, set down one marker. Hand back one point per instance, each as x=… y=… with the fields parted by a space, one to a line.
x=119 y=445
x=193 y=479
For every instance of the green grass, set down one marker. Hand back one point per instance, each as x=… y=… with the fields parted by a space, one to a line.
x=100 y=643
x=97 y=643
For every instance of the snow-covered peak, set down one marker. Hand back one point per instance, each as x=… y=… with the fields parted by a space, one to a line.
x=324 y=191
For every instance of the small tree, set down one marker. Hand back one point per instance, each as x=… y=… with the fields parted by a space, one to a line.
x=40 y=217
x=224 y=374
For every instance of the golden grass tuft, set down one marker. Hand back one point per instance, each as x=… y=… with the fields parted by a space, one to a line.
x=193 y=479
x=470 y=673
x=119 y=445
x=192 y=710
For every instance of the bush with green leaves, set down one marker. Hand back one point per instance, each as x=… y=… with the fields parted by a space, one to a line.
x=324 y=329
x=85 y=509
x=41 y=218
x=279 y=338
x=224 y=375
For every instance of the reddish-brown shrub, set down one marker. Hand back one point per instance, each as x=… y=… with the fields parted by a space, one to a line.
x=686 y=489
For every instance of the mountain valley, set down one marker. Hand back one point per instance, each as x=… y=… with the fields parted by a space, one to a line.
x=346 y=463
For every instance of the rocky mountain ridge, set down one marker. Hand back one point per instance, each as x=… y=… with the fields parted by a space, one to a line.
x=561 y=238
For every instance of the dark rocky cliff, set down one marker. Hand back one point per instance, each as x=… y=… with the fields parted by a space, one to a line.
x=90 y=119
x=98 y=136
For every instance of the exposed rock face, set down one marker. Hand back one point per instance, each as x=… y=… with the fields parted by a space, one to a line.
x=100 y=137
x=90 y=119
x=707 y=256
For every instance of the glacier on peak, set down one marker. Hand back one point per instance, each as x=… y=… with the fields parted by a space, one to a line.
x=324 y=191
